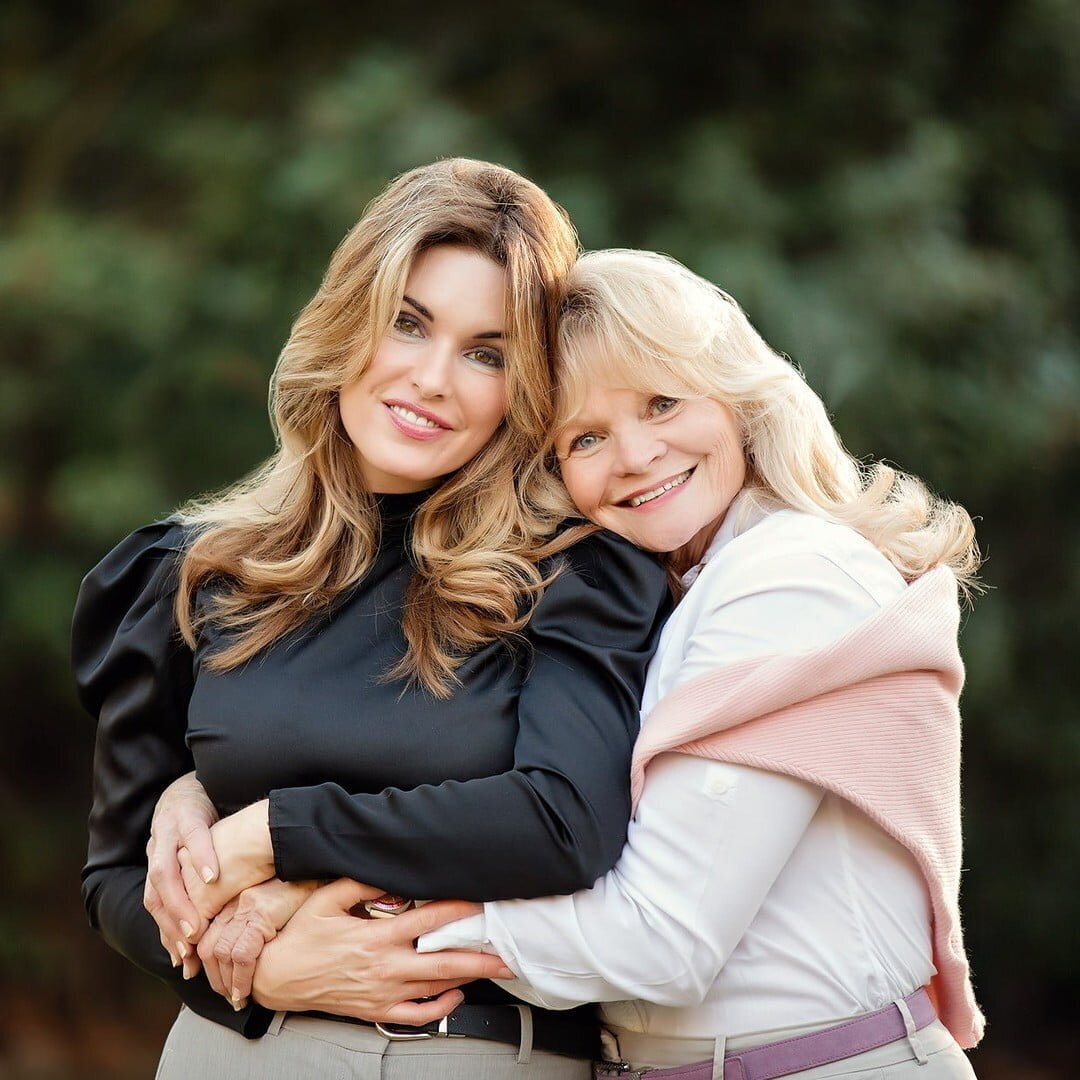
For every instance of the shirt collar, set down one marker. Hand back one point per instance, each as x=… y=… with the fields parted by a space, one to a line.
x=746 y=510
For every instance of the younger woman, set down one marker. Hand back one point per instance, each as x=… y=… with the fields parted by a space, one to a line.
x=369 y=653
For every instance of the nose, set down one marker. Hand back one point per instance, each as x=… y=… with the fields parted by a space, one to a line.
x=432 y=372
x=636 y=450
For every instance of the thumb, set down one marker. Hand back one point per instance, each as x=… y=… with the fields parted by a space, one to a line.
x=340 y=896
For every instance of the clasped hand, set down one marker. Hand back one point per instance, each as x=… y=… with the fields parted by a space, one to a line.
x=211 y=892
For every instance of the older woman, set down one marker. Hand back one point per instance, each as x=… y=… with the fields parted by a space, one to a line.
x=372 y=659
x=789 y=886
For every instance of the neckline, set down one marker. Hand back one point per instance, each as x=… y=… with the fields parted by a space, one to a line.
x=397 y=509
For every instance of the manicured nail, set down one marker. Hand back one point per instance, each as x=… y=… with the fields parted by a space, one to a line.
x=237 y=1006
x=236 y=999
x=207 y=874
x=187 y=929
x=175 y=960
x=182 y=949
x=188 y=974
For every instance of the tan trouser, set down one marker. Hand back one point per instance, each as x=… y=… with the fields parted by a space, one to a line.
x=930 y=1054
x=308 y=1048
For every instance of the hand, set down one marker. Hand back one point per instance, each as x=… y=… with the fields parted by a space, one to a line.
x=182 y=819
x=329 y=960
x=245 y=857
x=236 y=937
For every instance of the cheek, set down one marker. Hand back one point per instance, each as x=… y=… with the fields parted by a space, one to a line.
x=485 y=403
x=350 y=406
x=579 y=485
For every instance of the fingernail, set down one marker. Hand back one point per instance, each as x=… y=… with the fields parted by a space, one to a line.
x=187 y=929
x=188 y=974
x=236 y=998
x=182 y=949
x=207 y=874
x=175 y=961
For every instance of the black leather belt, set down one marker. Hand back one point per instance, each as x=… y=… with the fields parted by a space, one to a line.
x=556 y=1033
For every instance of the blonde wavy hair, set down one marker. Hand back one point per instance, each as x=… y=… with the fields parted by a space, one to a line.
x=284 y=542
x=644 y=321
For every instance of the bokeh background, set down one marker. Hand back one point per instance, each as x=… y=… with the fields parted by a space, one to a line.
x=891 y=190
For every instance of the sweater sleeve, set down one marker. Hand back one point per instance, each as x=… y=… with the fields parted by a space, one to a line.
x=134 y=676
x=557 y=819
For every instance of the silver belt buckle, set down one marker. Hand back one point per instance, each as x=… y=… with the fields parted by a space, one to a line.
x=408 y=1036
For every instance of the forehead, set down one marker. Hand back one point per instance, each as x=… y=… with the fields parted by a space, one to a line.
x=459 y=283
x=603 y=400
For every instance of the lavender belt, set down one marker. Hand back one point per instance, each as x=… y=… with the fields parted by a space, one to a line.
x=808 y=1051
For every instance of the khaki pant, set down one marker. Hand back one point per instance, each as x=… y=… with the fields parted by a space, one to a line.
x=309 y=1048
x=930 y=1054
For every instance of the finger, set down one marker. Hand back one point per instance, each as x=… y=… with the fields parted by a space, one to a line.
x=430 y=989
x=196 y=889
x=339 y=896
x=414 y=924
x=164 y=873
x=208 y=955
x=195 y=836
x=168 y=931
x=174 y=958
x=458 y=964
x=246 y=951
x=423 y=1012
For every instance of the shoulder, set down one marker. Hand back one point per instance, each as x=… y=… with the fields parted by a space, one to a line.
x=137 y=575
x=604 y=579
x=792 y=547
x=792 y=581
x=146 y=556
x=123 y=613
x=603 y=559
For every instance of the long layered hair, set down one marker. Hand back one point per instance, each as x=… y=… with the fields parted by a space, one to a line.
x=644 y=321
x=283 y=543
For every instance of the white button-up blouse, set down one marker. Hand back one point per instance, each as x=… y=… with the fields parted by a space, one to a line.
x=743 y=900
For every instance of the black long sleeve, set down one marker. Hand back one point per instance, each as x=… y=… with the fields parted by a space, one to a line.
x=133 y=673
x=553 y=822
x=516 y=786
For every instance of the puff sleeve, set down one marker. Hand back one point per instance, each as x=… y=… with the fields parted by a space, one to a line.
x=134 y=675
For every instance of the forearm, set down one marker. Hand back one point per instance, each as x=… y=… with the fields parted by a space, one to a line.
x=516 y=834
x=708 y=843
x=113 y=899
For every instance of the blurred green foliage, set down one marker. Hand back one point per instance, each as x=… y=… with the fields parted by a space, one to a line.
x=890 y=191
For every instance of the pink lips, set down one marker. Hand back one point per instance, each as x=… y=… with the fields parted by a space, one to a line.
x=416 y=431
x=624 y=504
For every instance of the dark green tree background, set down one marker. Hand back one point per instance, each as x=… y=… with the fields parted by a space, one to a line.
x=889 y=189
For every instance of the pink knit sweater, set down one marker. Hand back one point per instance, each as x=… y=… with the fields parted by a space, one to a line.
x=874 y=718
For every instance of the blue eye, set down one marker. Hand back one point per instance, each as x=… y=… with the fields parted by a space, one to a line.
x=585 y=442
x=660 y=405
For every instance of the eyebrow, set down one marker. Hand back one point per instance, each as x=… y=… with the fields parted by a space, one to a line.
x=485 y=336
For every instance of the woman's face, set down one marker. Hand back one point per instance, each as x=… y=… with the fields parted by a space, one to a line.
x=660 y=471
x=435 y=392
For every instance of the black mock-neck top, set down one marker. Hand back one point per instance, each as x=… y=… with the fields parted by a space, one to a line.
x=515 y=787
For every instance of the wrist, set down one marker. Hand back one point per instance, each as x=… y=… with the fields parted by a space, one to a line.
x=242 y=842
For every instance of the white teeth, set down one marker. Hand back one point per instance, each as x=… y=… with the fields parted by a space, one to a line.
x=413 y=418
x=656 y=492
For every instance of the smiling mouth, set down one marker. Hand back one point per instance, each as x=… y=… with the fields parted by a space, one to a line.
x=411 y=417
x=660 y=489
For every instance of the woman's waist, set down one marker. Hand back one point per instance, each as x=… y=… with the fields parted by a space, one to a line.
x=748 y=1008
x=665 y=1050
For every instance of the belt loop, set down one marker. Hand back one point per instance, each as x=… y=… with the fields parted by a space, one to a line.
x=913 y=1037
x=719 y=1048
x=526 y=1044
x=275 y=1023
